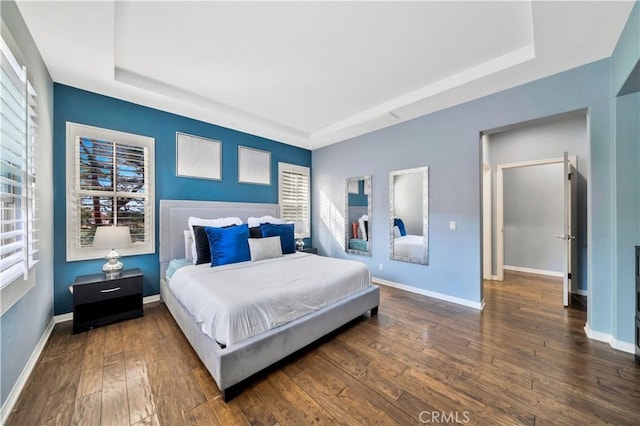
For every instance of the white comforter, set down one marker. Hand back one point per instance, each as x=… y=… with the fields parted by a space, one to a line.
x=409 y=246
x=237 y=301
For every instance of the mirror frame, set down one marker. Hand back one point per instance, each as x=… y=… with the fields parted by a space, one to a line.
x=367 y=188
x=425 y=215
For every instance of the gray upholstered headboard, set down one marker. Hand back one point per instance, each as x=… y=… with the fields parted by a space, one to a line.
x=174 y=217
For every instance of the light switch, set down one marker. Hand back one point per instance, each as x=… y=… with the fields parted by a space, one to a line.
x=452 y=225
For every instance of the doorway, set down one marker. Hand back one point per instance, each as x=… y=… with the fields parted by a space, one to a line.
x=537 y=241
x=525 y=146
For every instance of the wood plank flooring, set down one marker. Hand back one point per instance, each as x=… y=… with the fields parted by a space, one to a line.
x=523 y=360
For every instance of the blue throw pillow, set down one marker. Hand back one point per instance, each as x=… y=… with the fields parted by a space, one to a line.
x=285 y=232
x=228 y=245
x=400 y=224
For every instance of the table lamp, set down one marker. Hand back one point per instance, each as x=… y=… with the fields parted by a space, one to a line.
x=301 y=227
x=112 y=237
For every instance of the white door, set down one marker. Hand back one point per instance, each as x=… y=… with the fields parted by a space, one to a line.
x=570 y=219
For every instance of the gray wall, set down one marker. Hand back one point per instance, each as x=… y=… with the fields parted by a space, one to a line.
x=533 y=216
x=626 y=59
x=449 y=143
x=407 y=201
x=25 y=322
x=628 y=206
x=540 y=140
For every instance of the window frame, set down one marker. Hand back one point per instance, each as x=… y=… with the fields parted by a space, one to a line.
x=294 y=168
x=74 y=130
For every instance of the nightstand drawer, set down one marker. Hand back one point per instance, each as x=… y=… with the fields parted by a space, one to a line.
x=111 y=289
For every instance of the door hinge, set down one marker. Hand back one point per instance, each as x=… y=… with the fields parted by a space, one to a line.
x=569 y=176
x=569 y=275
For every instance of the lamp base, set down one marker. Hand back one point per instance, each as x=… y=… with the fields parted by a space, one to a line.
x=113 y=266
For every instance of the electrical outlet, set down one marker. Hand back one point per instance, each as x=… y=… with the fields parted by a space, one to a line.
x=381 y=267
x=452 y=225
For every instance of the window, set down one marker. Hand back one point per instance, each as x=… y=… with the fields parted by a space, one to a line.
x=293 y=188
x=110 y=181
x=18 y=212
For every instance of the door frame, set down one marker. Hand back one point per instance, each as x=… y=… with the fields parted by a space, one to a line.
x=499 y=234
x=487 y=238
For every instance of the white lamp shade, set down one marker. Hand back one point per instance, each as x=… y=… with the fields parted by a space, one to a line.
x=301 y=226
x=112 y=237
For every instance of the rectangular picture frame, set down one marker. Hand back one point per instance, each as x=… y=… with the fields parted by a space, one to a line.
x=254 y=166
x=198 y=157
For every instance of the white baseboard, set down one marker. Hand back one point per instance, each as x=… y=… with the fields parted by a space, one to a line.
x=533 y=271
x=63 y=317
x=11 y=400
x=612 y=341
x=151 y=299
x=69 y=315
x=580 y=292
x=457 y=300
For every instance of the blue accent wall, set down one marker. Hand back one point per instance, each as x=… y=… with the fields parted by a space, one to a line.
x=79 y=106
x=360 y=199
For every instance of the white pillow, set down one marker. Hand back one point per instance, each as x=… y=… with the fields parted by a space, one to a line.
x=257 y=221
x=361 y=228
x=396 y=232
x=187 y=245
x=214 y=223
x=265 y=248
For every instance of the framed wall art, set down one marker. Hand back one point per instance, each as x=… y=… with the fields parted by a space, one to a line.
x=198 y=157
x=254 y=166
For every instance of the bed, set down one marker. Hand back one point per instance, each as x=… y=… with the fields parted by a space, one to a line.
x=411 y=246
x=234 y=361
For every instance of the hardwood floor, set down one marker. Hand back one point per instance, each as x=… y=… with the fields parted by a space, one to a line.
x=523 y=360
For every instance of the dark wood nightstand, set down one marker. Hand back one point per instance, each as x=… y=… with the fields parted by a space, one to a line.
x=100 y=300
x=311 y=250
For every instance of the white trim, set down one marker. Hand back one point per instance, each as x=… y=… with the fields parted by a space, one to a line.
x=69 y=315
x=151 y=299
x=572 y=159
x=75 y=130
x=12 y=398
x=607 y=338
x=487 y=255
x=304 y=170
x=63 y=317
x=440 y=296
x=499 y=224
x=580 y=292
x=533 y=271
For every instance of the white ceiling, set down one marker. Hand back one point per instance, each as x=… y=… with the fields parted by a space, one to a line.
x=314 y=73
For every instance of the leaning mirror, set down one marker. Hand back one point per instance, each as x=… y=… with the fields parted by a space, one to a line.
x=357 y=201
x=408 y=194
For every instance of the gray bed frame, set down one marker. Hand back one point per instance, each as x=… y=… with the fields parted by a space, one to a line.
x=232 y=366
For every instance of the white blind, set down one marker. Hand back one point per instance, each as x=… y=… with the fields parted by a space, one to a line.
x=294 y=192
x=18 y=127
x=111 y=188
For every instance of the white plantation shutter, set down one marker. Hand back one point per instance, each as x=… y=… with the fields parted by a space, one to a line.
x=111 y=183
x=294 y=192
x=32 y=197
x=18 y=124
